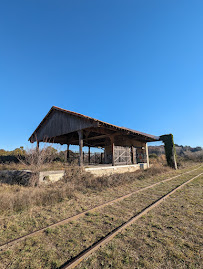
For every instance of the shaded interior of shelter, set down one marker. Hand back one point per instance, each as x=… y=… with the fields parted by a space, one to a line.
x=124 y=148
x=121 y=146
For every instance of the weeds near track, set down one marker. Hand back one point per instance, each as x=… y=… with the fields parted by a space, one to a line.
x=17 y=198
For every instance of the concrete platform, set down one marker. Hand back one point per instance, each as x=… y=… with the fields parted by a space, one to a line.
x=22 y=177
x=109 y=169
x=51 y=176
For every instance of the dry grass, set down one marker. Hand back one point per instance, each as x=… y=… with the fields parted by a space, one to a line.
x=87 y=181
x=27 y=209
x=12 y=166
x=17 y=198
x=132 y=249
x=168 y=237
x=55 y=165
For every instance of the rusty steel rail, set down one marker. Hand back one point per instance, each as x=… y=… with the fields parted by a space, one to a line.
x=82 y=214
x=84 y=254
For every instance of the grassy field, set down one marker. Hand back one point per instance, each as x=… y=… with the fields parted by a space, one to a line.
x=170 y=236
x=27 y=216
x=156 y=240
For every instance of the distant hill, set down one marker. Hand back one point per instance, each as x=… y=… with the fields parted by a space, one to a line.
x=186 y=152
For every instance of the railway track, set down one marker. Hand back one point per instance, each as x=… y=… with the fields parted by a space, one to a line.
x=70 y=264
x=82 y=214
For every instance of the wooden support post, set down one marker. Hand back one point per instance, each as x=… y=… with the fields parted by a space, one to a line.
x=105 y=152
x=89 y=155
x=68 y=153
x=147 y=154
x=37 y=147
x=80 y=134
x=112 y=150
x=101 y=157
x=135 y=155
x=83 y=156
x=132 y=155
x=174 y=159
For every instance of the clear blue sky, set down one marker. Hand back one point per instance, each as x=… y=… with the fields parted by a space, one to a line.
x=133 y=63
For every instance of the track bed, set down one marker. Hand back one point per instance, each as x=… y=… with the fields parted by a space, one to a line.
x=56 y=245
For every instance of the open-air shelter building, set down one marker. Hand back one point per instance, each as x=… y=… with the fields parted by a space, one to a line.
x=122 y=146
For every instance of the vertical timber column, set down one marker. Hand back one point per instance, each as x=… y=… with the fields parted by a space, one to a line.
x=101 y=157
x=105 y=152
x=175 y=162
x=112 y=150
x=89 y=154
x=132 y=155
x=37 y=147
x=68 y=153
x=147 y=154
x=80 y=134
